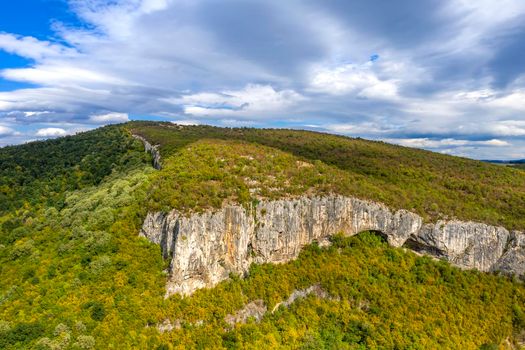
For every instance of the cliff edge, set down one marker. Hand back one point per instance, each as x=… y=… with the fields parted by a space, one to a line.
x=204 y=248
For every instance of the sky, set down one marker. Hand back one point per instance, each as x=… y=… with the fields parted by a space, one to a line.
x=444 y=75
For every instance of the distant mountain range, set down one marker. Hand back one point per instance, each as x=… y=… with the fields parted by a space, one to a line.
x=516 y=161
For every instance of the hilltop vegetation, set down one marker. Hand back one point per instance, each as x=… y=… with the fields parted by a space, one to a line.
x=41 y=172
x=209 y=173
x=431 y=184
x=75 y=274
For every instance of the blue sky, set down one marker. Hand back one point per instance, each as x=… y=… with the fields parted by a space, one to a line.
x=445 y=75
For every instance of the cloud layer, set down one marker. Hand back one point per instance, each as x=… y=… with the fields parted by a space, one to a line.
x=442 y=75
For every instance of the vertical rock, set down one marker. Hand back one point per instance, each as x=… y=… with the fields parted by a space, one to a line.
x=153 y=150
x=465 y=244
x=205 y=248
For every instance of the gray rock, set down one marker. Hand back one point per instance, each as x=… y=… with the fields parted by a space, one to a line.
x=153 y=150
x=168 y=326
x=513 y=259
x=464 y=244
x=315 y=289
x=256 y=309
x=204 y=249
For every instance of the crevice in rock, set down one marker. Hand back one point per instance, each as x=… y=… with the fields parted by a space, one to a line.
x=174 y=238
x=164 y=241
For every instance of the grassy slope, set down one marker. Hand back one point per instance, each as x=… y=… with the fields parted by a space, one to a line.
x=433 y=185
x=74 y=270
x=208 y=173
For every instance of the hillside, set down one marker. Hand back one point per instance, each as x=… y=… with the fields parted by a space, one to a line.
x=431 y=184
x=76 y=274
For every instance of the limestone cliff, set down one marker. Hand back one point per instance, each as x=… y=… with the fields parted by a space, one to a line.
x=205 y=248
x=151 y=149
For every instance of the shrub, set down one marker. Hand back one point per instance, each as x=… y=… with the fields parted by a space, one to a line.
x=84 y=342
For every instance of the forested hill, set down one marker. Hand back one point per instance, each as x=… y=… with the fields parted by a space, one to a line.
x=41 y=172
x=432 y=184
x=76 y=275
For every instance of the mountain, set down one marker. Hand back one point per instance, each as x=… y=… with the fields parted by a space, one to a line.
x=517 y=163
x=255 y=238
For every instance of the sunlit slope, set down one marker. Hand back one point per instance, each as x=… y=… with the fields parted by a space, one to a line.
x=433 y=185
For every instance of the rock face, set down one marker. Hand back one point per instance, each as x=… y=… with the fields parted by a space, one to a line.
x=153 y=150
x=464 y=244
x=316 y=290
x=256 y=309
x=205 y=248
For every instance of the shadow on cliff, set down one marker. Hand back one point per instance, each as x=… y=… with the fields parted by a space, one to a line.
x=379 y=234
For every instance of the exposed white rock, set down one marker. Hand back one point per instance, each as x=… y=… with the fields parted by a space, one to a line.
x=205 y=248
x=255 y=309
x=316 y=290
x=513 y=258
x=168 y=326
x=465 y=244
x=153 y=150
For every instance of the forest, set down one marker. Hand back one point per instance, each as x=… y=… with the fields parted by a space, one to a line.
x=76 y=274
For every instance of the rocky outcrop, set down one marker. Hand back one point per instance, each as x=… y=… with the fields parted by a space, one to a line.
x=256 y=310
x=464 y=244
x=315 y=290
x=151 y=149
x=204 y=249
x=513 y=258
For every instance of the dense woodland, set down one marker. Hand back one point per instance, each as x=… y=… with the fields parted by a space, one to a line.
x=75 y=274
x=41 y=172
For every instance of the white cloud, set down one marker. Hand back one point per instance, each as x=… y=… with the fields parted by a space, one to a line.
x=109 y=118
x=31 y=47
x=51 y=132
x=186 y=122
x=508 y=128
x=149 y=6
x=475 y=95
x=249 y=101
x=238 y=123
x=359 y=80
x=449 y=142
x=6 y=131
x=59 y=75
x=116 y=18
x=61 y=101
x=35 y=113
x=513 y=101
x=354 y=129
